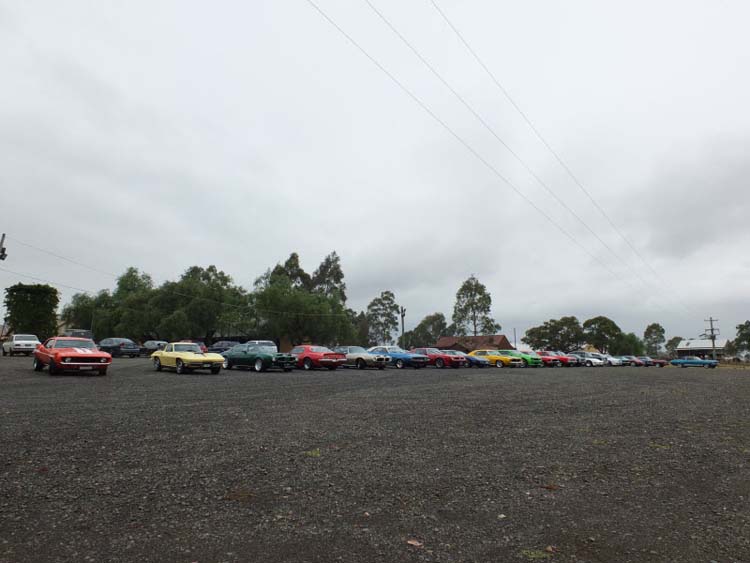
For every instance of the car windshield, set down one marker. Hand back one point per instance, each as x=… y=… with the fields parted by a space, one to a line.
x=395 y=349
x=356 y=349
x=25 y=337
x=266 y=348
x=432 y=350
x=194 y=348
x=320 y=349
x=122 y=341
x=62 y=343
x=532 y=354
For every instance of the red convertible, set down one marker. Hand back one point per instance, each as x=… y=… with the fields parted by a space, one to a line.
x=309 y=357
x=440 y=359
x=64 y=353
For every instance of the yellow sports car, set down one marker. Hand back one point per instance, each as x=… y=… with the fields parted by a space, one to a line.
x=184 y=357
x=497 y=359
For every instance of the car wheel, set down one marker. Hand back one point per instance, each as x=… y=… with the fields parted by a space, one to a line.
x=439 y=363
x=525 y=363
x=179 y=367
x=38 y=366
x=258 y=365
x=307 y=364
x=381 y=367
x=103 y=371
x=157 y=364
x=360 y=363
x=589 y=364
x=400 y=364
x=499 y=364
x=52 y=368
x=215 y=370
x=227 y=364
x=4 y=352
x=332 y=368
x=287 y=370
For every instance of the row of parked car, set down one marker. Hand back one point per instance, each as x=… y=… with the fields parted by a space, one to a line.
x=71 y=353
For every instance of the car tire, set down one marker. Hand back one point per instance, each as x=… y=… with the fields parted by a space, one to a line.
x=287 y=370
x=381 y=367
x=4 y=352
x=216 y=370
x=307 y=364
x=589 y=364
x=525 y=363
x=38 y=366
x=179 y=367
x=332 y=368
x=157 y=364
x=399 y=364
x=499 y=364
x=258 y=365
x=360 y=363
x=227 y=364
x=439 y=363
x=52 y=368
x=103 y=371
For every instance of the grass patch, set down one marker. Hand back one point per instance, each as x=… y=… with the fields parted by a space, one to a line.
x=313 y=453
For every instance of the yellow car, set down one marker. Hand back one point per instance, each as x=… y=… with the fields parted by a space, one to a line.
x=184 y=357
x=498 y=359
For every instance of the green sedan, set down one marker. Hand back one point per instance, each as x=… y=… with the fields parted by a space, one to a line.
x=259 y=355
x=529 y=361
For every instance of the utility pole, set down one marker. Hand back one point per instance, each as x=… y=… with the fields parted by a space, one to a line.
x=515 y=343
x=712 y=333
x=3 y=253
x=403 y=314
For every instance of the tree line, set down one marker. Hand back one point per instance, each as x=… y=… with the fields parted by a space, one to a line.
x=285 y=303
x=568 y=334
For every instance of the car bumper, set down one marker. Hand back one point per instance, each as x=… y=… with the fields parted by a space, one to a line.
x=22 y=349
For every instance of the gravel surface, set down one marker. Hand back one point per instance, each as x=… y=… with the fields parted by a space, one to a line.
x=595 y=465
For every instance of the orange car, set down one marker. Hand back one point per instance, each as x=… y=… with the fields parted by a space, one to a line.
x=64 y=353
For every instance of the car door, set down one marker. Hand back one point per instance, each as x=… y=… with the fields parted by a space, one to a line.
x=244 y=355
x=168 y=356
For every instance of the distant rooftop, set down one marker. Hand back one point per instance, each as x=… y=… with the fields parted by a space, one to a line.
x=701 y=344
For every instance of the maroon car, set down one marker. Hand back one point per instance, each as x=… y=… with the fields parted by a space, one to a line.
x=310 y=356
x=441 y=359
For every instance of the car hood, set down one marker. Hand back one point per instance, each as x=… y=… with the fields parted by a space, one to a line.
x=80 y=352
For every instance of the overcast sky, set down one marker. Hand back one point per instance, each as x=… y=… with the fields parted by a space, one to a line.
x=172 y=133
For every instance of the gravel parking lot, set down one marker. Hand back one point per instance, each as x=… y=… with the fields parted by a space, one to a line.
x=603 y=464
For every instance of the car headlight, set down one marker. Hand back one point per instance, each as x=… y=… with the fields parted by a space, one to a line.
x=103 y=361
x=67 y=360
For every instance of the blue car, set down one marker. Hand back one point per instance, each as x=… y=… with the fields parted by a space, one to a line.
x=401 y=358
x=474 y=361
x=694 y=362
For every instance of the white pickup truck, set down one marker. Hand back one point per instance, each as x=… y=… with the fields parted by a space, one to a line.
x=20 y=344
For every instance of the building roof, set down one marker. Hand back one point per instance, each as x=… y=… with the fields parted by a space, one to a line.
x=699 y=344
x=492 y=341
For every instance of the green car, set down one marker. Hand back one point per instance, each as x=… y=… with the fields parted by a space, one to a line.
x=529 y=361
x=260 y=355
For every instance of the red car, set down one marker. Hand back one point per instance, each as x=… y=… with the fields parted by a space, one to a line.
x=550 y=356
x=64 y=353
x=309 y=357
x=440 y=359
x=201 y=344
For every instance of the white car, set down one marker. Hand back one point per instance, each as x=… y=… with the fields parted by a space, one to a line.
x=610 y=360
x=20 y=344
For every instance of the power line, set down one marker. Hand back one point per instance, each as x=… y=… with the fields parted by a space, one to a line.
x=547 y=145
x=494 y=133
x=463 y=142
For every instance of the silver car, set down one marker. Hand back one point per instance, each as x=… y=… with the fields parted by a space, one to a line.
x=358 y=357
